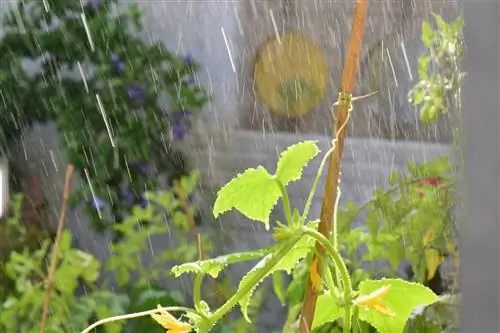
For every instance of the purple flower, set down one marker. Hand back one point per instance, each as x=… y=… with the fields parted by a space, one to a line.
x=179 y=130
x=95 y=4
x=127 y=196
x=188 y=59
x=117 y=63
x=181 y=116
x=136 y=94
x=144 y=167
x=97 y=202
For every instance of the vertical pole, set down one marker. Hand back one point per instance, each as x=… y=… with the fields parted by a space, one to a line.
x=332 y=179
x=480 y=228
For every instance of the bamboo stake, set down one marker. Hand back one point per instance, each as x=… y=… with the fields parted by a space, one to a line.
x=55 y=249
x=332 y=179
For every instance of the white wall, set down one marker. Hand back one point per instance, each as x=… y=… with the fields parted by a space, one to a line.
x=196 y=27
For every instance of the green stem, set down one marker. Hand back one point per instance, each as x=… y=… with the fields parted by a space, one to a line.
x=334 y=234
x=315 y=184
x=140 y=314
x=355 y=324
x=286 y=203
x=256 y=279
x=344 y=274
x=197 y=291
x=293 y=313
x=329 y=280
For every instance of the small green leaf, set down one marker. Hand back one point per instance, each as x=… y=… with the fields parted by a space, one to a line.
x=401 y=298
x=294 y=159
x=442 y=25
x=423 y=64
x=393 y=177
x=427 y=34
x=327 y=310
x=299 y=251
x=279 y=287
x=214 y=266
x=254 y=193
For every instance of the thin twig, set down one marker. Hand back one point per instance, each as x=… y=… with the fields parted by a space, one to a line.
x=332 y=180
x=57 y=242
x=138 y=315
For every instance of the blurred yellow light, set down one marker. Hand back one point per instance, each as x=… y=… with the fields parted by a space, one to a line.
x=290 y=75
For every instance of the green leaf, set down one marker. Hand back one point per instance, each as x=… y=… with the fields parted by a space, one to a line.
x=254 y=193
x=91 y=267
x=442 y=25
x=401 y=298
x=294 y=159
x=427 y=34
x=423 y=65
x=393 y=177
x=214 y=266
x=299 y=251
x=327 y=310
x=279 y=287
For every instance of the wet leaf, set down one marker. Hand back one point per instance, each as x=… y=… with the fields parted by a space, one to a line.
x=294 y=159
x=399 y=296
x=254 y=193
x=214 y=266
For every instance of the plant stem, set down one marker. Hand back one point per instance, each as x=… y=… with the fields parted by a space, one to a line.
x=57 y=243
x=139 y=314
x=332 y=179
x=286 y=203
x=305 y=213
x=344 y=274
x=327 y=273
x=197 y=291
x=243 y=290
x=355 y=324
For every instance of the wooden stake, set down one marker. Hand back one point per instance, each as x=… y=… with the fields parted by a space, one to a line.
x=55 y=249
x=332 y=179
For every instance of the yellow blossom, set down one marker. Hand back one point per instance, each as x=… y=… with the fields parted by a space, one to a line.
x=315 y=277
x=170 y=323
x=374 y=301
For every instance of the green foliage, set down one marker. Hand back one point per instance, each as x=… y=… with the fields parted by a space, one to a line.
x=22 y=309
x=77 y=300
x=439 y=70
x=287 y=263
x=118 y=101
x=146 y=298
x=328 y=310
x=214 y=266
x=412 y=219
x=295 y=242
x=255 y=192
x=402 y=298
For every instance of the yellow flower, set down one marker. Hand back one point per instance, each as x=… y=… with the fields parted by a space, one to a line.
x=374 y=301
x=170 y=323
x=315 y=277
